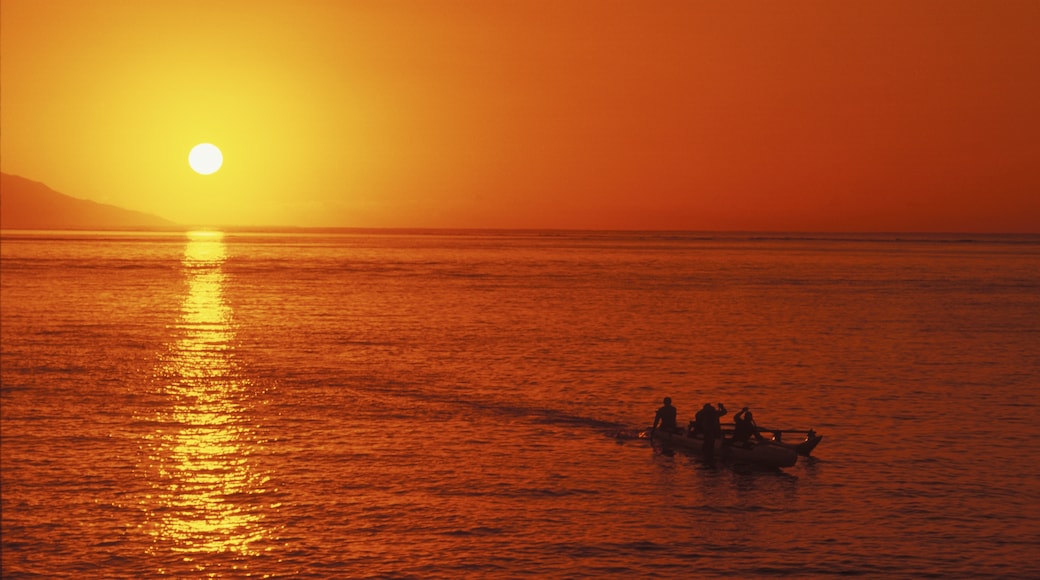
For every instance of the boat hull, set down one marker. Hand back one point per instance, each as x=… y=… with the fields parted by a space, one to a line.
x=805 y=447
x=762 y=453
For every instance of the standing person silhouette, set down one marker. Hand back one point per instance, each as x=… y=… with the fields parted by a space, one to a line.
x=666 y=417
x=708 y=424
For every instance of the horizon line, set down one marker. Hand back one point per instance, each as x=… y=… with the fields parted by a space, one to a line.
x=242 y=229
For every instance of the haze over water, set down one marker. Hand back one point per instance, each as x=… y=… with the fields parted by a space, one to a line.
x=468 y=404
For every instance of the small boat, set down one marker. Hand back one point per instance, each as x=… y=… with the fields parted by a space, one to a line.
x=765 y=453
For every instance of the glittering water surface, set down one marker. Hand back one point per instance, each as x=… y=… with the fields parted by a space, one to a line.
x=468 y=404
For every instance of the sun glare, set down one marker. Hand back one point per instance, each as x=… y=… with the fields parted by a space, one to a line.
x=205 y=158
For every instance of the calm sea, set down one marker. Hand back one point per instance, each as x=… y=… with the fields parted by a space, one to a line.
x=468 y=404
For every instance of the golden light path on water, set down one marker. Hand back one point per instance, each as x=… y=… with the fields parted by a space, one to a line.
x=202 y=480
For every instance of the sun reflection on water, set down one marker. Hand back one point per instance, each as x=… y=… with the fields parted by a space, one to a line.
x=206 y=493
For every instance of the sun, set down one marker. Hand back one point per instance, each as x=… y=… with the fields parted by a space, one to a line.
x=205 y=158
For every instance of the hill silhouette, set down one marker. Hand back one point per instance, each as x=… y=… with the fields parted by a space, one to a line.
x=30 y=205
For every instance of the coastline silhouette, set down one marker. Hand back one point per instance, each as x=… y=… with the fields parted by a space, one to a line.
x=31 y=205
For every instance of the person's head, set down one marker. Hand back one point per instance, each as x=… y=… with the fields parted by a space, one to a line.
x=708 y=406
x=667 y=401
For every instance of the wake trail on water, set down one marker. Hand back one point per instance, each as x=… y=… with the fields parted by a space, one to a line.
x=494 y=409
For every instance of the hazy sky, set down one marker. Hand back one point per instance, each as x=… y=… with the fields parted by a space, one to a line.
x=828 y=115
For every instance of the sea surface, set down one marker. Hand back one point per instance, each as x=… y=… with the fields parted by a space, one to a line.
x=468 y=404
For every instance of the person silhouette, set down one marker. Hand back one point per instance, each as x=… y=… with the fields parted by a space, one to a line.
x=744 y=427
x=707 y=424
x=665 y=417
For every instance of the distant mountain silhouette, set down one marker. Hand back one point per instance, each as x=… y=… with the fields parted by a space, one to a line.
x=30 y=205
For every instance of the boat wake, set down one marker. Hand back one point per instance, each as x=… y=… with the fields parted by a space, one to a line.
x=487 y=407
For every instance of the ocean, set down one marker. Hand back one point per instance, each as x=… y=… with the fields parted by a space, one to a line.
x=472 y=404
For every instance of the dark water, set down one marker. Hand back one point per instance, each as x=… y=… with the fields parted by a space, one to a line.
x=468 y=404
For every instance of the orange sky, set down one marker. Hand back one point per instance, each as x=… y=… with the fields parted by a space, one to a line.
x=847 y=115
